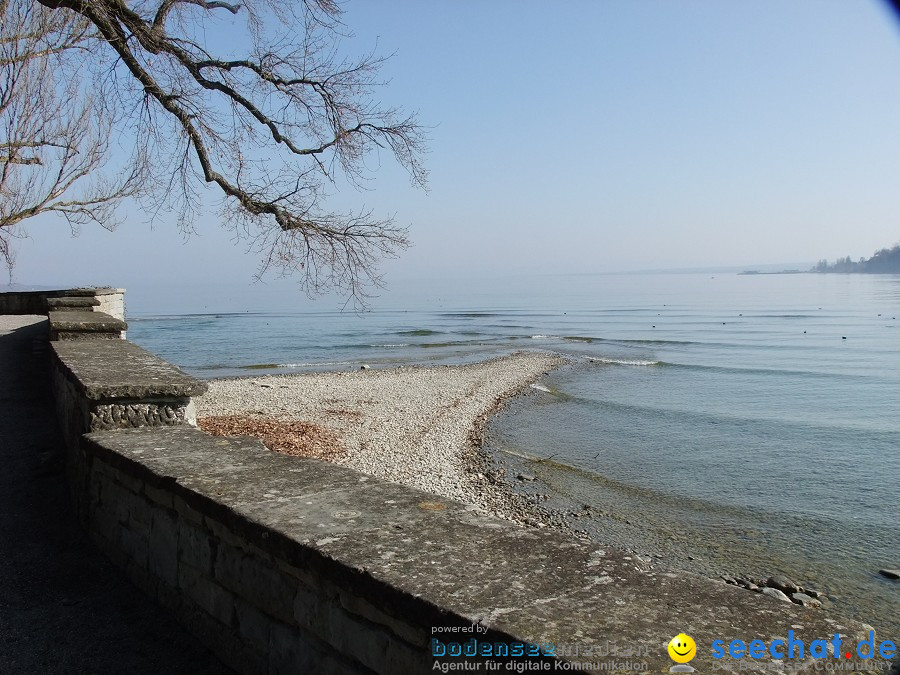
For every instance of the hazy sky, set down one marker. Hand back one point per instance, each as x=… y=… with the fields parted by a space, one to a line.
x=594 y=136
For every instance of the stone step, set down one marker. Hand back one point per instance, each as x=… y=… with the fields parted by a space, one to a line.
x=78 y=325
x=72 y=304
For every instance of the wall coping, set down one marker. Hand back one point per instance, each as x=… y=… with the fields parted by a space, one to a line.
x=73 y=301
x=102 y=290
x=102 y=370
x=84 y=322
x=430 y=561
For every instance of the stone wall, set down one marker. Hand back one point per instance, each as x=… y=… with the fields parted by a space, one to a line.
x=114 y=384
x=289 y=565
x=109 y=300
x=264 y=601
x=112 y=302
x=24 y=302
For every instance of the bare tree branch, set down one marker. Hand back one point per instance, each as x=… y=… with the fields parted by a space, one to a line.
x=54 y=129
x=159 y=20
x=274 y=129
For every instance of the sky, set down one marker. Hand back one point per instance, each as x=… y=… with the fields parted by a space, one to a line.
x=592 y=136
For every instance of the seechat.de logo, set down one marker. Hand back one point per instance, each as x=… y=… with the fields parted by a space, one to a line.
x=682 y=649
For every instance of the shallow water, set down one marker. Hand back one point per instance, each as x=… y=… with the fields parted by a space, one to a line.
x=750 y=422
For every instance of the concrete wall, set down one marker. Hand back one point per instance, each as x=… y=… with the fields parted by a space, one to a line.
x=111 y=300
x=289 y=565
x=25 y=302
x=264 y=603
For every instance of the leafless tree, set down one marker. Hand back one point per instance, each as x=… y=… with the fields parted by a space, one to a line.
x=54 y=130
x=275 y=120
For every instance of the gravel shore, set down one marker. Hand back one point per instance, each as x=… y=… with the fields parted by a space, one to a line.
x=415 y=425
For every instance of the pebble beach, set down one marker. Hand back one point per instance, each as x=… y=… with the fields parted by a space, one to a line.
x=415 y=425
x=423 y=426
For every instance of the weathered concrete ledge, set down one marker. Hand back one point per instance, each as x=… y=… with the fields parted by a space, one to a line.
x=93 y=291
x=75 y=325
x=121 y=369
x=75 y=303
x=296 y=563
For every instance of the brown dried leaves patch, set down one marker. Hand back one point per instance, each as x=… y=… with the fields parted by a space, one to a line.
x=300 y=439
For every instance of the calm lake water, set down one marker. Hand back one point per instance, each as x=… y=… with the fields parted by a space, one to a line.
x=734 y=424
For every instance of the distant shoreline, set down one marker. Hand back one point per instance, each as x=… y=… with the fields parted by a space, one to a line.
x=758 y=273
x=753 y=273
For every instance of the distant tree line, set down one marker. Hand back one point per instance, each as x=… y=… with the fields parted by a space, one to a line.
x=885 y=261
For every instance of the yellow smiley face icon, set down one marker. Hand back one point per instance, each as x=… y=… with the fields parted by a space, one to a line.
x=682 y=648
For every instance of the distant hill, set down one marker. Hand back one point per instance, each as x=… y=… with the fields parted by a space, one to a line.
x=885 y=261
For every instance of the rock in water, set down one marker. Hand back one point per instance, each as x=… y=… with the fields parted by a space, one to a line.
x=805 y=600
x=525 y=476
x=775 y=593
x=890 y=574
x=783 y=584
